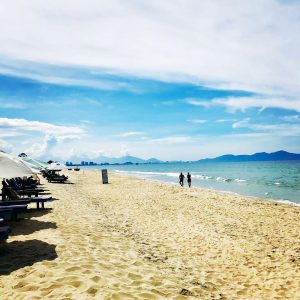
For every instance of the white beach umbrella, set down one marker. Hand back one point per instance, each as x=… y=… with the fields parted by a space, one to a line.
x=33 y=168
x=56 y=166
x=11 y=167
x=37 y=164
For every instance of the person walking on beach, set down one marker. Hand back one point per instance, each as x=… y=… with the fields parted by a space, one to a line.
x=189 y=179
x=181 y=178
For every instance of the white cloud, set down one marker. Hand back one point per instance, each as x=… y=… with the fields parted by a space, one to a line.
x=226 y=120
x=274 y=129
x=197 y=121
x=132 y=133
x=86 y=122
x=5 y=146
x=42 y=137
x=292 y=119
x=12 y=104
x=247 y=45
x=36 y=126
x=43 y=148
x=197 y=102
x=68 y=80
x=242 y=123
x=243 y=103
x=170 y=140
x=9 y=133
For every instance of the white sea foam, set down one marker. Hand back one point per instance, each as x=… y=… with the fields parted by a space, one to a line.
x=170 y=174
x=224 y=179
x=202 y=177
x=240 y=180
x=175 y=175
x=288 y=202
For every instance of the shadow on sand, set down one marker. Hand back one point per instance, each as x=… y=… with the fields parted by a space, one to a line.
x=17 y=255
x=59 y=182
x=28 y=226
x=32 y=213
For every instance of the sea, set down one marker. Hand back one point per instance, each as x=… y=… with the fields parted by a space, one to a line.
x=279 y=181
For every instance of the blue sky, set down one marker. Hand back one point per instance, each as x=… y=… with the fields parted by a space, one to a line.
x=150 y=80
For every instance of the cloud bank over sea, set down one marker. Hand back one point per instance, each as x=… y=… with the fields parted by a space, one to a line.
x=200 y=78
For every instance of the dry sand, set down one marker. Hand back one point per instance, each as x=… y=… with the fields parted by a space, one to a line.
x=138 y=239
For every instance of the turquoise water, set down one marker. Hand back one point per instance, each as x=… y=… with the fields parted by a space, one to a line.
x=270 y=180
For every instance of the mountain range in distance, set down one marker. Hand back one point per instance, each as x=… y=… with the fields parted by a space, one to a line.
x=117 y=160
x=261 y=156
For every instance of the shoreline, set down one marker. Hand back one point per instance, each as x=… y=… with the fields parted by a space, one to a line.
x=280 y=201
x=140 y=239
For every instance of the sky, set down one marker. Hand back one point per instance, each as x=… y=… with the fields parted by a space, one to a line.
x=174 y=80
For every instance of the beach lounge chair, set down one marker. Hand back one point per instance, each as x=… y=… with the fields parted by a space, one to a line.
x=11 y=211
x=53 y=176
x=57 y=178
x=26 y=183
x=9 y=188
x=4 y=233
x=23 y=188
x=25 y=201
x=14 y=198
x=10 y=193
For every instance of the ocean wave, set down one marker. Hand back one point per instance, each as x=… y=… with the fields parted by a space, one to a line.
x=224 y=179
x=240 y=180
x=175 y=175
x=283 y=201
x=203 y=177
x=170 y=174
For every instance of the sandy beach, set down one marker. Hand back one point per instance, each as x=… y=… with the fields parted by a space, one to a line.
x=139 y=239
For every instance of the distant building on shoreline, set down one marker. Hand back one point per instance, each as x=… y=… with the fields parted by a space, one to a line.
x=83 y=163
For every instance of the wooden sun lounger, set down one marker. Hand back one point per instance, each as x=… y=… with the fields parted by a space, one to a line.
x=4 y=233
x=25 y=201
x=58 y=179
x=7 y=213
x=23 y=192
x=11 y=211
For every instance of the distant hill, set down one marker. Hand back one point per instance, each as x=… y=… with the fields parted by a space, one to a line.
x=261 y=156
x=127 y=158
x=114 y=160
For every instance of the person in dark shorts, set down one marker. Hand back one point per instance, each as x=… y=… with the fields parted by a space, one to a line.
x=181 y=178
x=189 y=179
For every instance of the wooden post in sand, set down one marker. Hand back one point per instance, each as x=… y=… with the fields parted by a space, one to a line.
x=104 y=176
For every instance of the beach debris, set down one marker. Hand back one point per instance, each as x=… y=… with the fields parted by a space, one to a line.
x=185 y=292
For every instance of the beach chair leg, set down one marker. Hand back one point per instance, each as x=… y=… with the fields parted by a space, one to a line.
x=43 y=204
x=14 y=216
